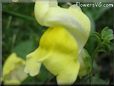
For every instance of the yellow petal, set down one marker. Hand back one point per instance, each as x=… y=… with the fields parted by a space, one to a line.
x=59 y=39
x=13 y=70
x=9 y=63
x=73 y=19
x=63 y=67
x=34 y=61
x=58 y=51
x=69 y=75
x=32 y=67
x=42 y=7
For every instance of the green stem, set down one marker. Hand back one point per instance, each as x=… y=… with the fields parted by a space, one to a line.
x=9 y=22
x=94 y=56
x=18 y=15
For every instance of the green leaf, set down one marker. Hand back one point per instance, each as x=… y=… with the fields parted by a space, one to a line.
x=44 y=75
x=24 y=48
x=107 y=35
x=85 y=63
x=91 y=43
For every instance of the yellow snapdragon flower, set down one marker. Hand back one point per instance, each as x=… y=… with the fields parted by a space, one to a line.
x=13 y=70
x=61 y=44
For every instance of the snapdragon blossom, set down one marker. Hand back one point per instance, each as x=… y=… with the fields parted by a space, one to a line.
x=61 y=45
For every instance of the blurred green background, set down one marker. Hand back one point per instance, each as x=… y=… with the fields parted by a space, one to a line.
x=21 y=34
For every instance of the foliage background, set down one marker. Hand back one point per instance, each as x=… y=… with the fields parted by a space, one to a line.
x=21 y=34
